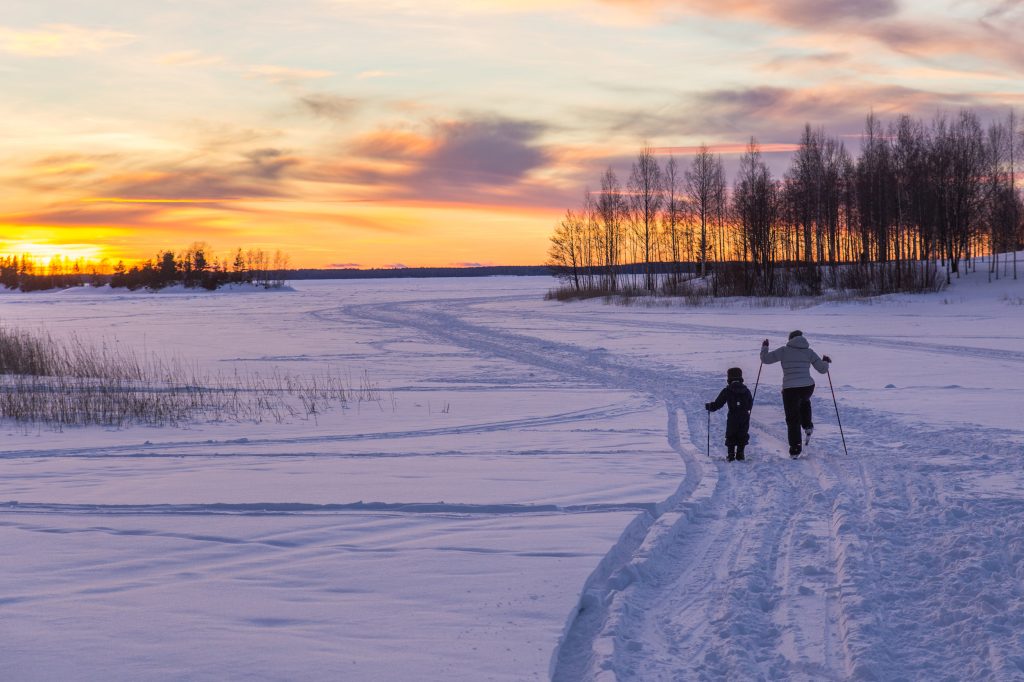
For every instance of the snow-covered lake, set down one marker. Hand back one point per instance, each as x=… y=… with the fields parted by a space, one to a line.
x=528 y=458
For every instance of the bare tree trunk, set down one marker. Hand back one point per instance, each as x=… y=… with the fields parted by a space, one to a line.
x=645 y=199
x=700 y=187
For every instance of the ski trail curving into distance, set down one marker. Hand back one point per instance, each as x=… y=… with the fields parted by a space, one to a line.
x=881 y=565
x=582 y=650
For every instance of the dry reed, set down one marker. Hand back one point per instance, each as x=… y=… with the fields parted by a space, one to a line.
x=73 y=383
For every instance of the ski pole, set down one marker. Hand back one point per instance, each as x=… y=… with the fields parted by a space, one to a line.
x=709 y=433
x=754 y=397
x=834 y=402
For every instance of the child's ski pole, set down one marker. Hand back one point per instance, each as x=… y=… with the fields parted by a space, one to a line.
x=709 y=433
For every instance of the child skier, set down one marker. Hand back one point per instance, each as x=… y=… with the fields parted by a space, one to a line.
x=737 y=426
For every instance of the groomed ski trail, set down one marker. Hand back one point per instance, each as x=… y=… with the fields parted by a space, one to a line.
x=868 y=567
x=712 y=528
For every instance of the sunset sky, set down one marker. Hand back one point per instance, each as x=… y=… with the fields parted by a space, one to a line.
x=432 y=132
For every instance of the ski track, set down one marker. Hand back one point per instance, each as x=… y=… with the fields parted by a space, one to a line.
x=298 y=508
x=182 y=448
x=897 y=343
x=827 y=568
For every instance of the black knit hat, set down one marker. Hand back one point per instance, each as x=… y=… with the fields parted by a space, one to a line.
x=734 y=373
x=795 y=333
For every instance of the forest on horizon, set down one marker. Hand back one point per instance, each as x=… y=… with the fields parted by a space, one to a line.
x=919 y=200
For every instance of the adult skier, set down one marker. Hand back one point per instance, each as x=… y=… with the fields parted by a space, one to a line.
x=797 y=385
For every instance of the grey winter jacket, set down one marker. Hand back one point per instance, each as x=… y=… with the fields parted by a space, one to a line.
x=796 y=358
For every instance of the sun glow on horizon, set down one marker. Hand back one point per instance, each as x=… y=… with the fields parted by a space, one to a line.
x=42 y=252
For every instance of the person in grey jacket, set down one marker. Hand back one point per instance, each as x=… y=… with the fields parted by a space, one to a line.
x=797 y=385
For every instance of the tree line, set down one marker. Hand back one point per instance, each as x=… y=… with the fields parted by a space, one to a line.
x=192 y=267
x=921 y=201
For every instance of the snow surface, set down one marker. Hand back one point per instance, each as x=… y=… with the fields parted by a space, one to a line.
x=531 y=497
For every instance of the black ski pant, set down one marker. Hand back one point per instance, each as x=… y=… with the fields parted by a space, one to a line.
x=797 y=404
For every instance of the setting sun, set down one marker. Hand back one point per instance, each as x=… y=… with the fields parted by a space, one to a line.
x=42 y=252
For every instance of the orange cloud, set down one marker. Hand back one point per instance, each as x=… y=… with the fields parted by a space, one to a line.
x=481 y=159
x=392 y=143
x=123 y=200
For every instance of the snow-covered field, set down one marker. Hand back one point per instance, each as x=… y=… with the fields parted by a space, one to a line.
x=530 y=497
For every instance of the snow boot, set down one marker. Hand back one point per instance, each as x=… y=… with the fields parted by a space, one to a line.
x=807 y=435
x=794 y=451
x=739 y=454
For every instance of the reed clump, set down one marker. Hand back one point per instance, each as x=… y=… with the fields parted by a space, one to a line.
x=70 y=382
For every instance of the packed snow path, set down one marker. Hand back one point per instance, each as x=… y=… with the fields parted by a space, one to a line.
x=875 y=566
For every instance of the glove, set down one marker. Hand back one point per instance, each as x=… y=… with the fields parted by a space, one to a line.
x=707 y=406
x=765 y=343
x=826 y=358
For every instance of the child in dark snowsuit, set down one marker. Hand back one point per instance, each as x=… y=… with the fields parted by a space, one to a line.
x=737 y=426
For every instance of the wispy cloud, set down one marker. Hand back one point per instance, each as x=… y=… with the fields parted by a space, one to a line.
x=469 y=7
x=191 y=58
x=726 y=149
x=991 y=33
x=84 y=215
x=816 y=13
x=803 y=63
x=287 y=74
x=1001 y=9
x=775 y=114
x=189 y=185
x=252 y=173
x=269 y=164
x=330 y=106
x=366 y=75
x=60 y=40
x=938 y=40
